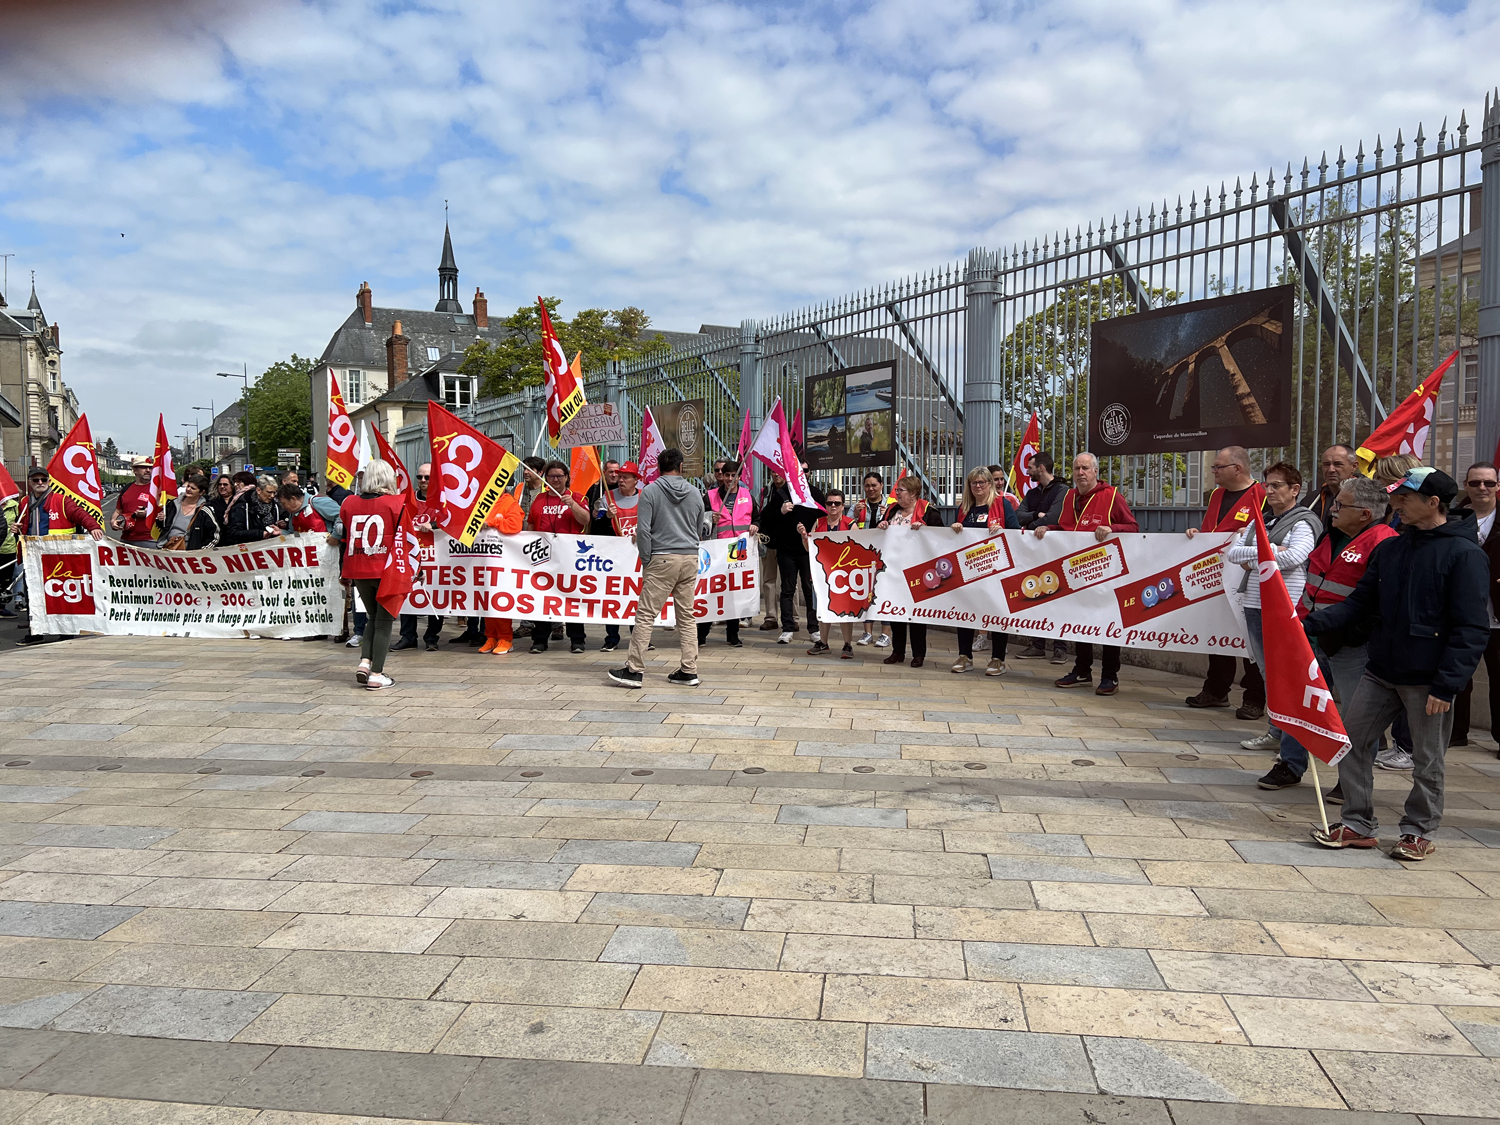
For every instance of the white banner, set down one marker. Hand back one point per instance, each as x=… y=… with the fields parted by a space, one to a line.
x=1135 y=591
x=286 y=587
x=588 y=579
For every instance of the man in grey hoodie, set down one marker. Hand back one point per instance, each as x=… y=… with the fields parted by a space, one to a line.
x=666 y=536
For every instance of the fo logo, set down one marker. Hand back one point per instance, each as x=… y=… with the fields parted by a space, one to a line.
x=68 y=584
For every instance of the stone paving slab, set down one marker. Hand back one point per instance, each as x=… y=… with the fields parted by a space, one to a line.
x=787 y=896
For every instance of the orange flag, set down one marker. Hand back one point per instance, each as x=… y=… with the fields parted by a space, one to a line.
x=585 y=468
x=1405 y=429
x=343 y=458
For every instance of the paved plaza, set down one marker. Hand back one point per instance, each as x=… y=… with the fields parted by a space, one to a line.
x=235 y=888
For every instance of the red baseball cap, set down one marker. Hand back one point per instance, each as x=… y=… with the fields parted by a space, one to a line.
x=630 y=468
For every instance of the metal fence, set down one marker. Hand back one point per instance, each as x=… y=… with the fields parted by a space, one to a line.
x=1394 y=252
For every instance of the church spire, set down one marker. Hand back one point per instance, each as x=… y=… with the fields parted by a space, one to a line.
x=448 y=278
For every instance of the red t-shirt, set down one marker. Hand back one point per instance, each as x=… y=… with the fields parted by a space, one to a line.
x=550 y=512
x=133 y=499
x=308 y=520
x=369 y=526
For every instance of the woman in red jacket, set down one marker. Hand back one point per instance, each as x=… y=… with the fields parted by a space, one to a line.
x=983 y=506
x=371 y=523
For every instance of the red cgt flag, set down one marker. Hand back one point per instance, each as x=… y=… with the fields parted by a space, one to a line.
x=564 y=383
x=414 y=506
x=1405 y=429
x=1297 y=697
x=1020 y=482
x=163 y=475
x=8 y=487
x=396 y=579
x=75 y=472
x=469 y=472
x=343 y=459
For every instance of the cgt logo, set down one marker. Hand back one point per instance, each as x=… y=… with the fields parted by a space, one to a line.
x=850 y=568
x=68 y=584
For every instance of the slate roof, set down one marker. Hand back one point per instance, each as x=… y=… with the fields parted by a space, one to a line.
x=356 y=345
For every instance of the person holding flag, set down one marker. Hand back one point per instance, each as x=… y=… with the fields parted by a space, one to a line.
x=1424 y=593
x=138 y=508
x=376 y=561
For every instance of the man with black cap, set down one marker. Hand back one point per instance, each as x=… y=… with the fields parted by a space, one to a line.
x=1424 y=594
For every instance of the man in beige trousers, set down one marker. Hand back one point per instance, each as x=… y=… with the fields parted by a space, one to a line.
x=667 y=527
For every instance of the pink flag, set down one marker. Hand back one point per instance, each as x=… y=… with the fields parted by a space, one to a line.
x=742 y=450
x=773 y=446
x=651 y=448
x=797 y=429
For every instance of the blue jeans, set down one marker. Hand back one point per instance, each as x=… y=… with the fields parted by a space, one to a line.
x=1342 y=672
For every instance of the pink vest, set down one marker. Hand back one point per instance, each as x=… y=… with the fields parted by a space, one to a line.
x=739 y=516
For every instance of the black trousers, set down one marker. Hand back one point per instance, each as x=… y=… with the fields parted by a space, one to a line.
x=731 y=629
x=1083 y=660
x=1220 y=679
x=998 y=643
x=918 y=639
x=541 y=633
x=795 y=566
x=409 y=627
x=1461 y=704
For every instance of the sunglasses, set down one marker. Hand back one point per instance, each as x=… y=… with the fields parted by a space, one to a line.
x=1482 y=484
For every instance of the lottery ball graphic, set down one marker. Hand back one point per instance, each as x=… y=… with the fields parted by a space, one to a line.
x=944 y=568
x=1166 y=588
x=1050 y=583
x=1031 y=586
x=931 y=580
x=1149 y=597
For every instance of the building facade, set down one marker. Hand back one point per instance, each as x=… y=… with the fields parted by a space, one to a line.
x=37 y=409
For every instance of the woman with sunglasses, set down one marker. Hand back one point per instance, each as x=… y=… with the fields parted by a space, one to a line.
x=835 y=520
x=983 y=507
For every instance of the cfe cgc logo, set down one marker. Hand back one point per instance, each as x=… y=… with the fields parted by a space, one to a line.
x=68 y=584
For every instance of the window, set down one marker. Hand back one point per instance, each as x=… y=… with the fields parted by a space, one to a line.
x=354 y=387
x=433 y=355
x=458 y=391
x=1471 y=379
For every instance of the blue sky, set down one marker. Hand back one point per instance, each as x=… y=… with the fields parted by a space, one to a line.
x=706 y=161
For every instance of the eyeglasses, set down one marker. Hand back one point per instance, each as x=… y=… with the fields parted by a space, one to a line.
x=1482 y=483
x=1217 y=468
x=1338 y=506
x=1278 y=484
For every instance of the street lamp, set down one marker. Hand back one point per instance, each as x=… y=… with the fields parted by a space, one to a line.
x=244 y=402
x=213 y=446
x=187 y=441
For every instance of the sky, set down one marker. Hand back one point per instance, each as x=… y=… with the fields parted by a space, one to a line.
x=201 y=184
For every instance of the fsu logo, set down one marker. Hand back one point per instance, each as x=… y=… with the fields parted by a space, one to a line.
x=68 y=584
x=850 y=568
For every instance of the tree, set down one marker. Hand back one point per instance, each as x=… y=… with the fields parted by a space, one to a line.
x=515 y=360
x=280 y=410
x=108 y=450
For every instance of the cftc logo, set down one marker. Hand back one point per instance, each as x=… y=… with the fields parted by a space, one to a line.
x=68 y=584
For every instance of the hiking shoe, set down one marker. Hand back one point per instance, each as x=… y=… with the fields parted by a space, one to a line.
x=818 y=649
x=1204 y=700
x=683 y=679
x=1249 y=712
x=1267 y=741
x=378 y=681
x=1394 y=759
x=785 y=638
x=626 y=678
x=1107 y=687
x=997 y=667
x=846 y=653
x=1339 y=836
x=1280 y=776
x=962 y=664
x=1074 y=679
x=1413 y=847
x=1335 y=796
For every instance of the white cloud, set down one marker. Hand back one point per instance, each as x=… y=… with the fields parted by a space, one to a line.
x=706 y=161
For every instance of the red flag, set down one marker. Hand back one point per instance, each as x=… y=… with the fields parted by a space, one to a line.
x=75 y=472
x=403 y=478
x=396 y=578
x=1297 y=697
x=1405 y=429
x=564 y=387
x=8 y=487
x=651 y=447
x=1020 y=480
x=163 y=475
x=343 y=459
x=469 y=472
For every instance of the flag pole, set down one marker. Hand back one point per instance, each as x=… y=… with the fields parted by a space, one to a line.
x=1312 y=764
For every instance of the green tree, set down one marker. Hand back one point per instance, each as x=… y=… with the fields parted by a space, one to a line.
x=280 y=410
x=109 y=450
x=515 y=360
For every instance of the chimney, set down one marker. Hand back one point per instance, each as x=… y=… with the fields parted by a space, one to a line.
x=56 y=337
x=481 y=310
x=395 y=356
x=365 y=300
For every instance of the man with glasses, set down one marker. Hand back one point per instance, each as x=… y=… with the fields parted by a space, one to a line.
x=408 y=638
x=1231 y=507
x=1338 y=464
x=1480 y=486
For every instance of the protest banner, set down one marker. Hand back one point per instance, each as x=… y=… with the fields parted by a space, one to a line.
x=596 y=423
x=1136 y=591
x=286 y=587
x=584 y=579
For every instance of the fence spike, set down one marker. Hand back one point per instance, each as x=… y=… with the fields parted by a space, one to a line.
x=1420 y=139
x=1463 y=125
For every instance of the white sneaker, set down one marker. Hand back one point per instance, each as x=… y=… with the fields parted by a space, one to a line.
x=1393 y=759
x=355 y=641
x=866 y=639
x=784 y=639
x=1267 y=741
x=362 y=673
x=884 y=641
x=378 y=680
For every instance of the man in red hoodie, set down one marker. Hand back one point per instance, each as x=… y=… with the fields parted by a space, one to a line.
x=1091 y=505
